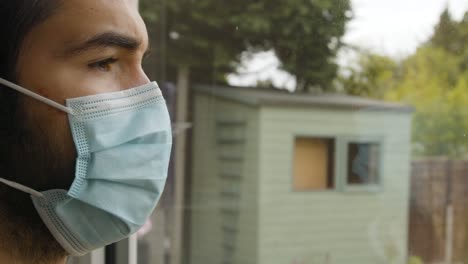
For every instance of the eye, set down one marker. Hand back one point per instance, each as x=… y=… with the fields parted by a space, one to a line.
x=103 y=65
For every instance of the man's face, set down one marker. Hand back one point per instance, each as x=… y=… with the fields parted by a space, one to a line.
x=86 y=47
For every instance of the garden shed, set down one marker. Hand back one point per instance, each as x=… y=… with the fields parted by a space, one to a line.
x=279 y=177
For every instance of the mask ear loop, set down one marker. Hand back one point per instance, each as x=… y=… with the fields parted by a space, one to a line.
x=36 y=96
x=22 y=188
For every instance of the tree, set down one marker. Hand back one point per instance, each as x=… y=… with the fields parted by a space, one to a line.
x=373 y=77
x=446 y=34
x=452 y=36
x=305 y=36
x=434 y=80
x=431 y=81
x=198 y=35
x=208 y=36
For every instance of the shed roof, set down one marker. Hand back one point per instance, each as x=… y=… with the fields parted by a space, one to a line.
x=255 y=96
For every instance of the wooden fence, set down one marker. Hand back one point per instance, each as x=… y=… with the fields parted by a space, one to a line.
x=437 y=183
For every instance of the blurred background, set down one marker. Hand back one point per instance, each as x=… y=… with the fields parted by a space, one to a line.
x=309 y=132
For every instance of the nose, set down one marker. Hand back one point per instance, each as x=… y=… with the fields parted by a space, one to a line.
x=135 y=79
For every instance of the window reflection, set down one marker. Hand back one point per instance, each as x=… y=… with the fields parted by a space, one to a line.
x=293 y=169
x=363 y=163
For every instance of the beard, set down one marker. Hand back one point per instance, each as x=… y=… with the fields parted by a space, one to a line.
x=35 y=157
x=32 y=156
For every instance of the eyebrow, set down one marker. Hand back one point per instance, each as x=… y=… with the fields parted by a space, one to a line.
x=103 y=40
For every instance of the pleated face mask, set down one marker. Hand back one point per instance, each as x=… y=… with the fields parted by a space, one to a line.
x=123 y=141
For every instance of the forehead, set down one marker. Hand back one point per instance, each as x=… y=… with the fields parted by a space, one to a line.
x=77 y=20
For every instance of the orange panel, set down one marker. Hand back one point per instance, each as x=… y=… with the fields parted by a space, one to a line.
x=311 y=164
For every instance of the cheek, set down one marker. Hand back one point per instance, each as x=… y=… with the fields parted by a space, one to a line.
x=65 y=81
x=52 y=124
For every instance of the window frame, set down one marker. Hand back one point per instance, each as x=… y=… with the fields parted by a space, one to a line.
x=335 y=165
x=340 y=173
x=372 y=187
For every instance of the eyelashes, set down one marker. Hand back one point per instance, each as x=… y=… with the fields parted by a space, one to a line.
x=106 y=65
x=103 y=65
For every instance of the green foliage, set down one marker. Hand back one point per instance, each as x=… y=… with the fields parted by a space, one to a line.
x=434 y=80
x=446 y=34
x=432 y=83
x=452 y=36
x=374 y=76
x=305 y=35
x=415 y=260
x=198 y=34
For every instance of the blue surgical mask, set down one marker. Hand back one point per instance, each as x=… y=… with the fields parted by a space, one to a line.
x=123 y=141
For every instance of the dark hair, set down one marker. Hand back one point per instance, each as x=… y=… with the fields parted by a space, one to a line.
x=29 y=238
x=17 y=18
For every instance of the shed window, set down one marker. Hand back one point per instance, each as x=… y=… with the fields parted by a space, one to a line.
x=313 y=164
x=363 y=163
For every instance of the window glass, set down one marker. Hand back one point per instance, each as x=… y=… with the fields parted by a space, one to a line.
x=363 y=163
x=321 y=131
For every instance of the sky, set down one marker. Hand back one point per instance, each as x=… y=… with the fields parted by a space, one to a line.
x=389 y=27
x=397 y=27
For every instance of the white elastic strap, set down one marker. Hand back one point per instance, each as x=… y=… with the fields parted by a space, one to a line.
x=36 y=96
x=21 y=188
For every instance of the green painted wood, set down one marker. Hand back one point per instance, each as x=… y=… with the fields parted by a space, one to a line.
x=225 y=183
x=243 y=190
x=347 y=227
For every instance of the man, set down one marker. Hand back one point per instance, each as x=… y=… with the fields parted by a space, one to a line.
x=59 y=49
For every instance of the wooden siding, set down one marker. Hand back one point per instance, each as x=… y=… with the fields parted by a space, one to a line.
x=224 y=183
x=339 y=227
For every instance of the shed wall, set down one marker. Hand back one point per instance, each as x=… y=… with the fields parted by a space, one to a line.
x=339 y=227
x=224 y=209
